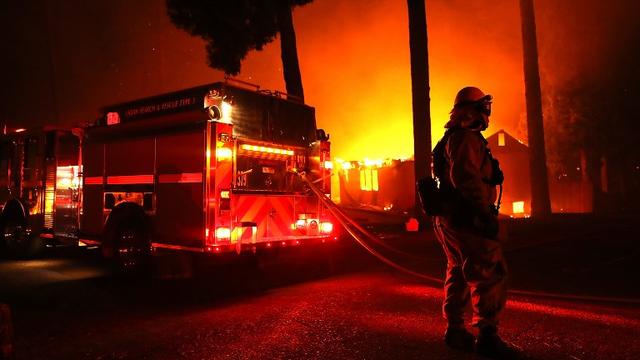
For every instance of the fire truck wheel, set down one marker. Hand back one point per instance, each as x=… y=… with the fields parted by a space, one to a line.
x=126 y=238
x=16 y=242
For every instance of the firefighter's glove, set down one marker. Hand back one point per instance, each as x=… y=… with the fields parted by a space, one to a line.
x=487 y=224
x=497 y=176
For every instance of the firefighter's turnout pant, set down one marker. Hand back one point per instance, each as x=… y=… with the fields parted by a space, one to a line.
x=476 y=271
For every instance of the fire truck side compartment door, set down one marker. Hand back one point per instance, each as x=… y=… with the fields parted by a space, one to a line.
x=179 y=218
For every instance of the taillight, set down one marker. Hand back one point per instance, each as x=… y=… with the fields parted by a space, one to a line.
x=326 y=227
x=301 y=224
x=223 y=154
x=312 y=226
x=223 y=233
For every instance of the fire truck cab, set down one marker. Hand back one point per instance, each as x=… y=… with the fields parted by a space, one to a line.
x=212 y=169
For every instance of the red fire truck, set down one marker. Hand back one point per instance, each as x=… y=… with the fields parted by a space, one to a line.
x=39 y=187
x=211 y=169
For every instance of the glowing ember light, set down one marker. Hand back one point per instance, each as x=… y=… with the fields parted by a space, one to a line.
x=224 y=154
x=518 y=207
x=369 y=179
x=20 y=130
x=373 y=163
x=300 y=224
x=328 y=165
x=374 y=180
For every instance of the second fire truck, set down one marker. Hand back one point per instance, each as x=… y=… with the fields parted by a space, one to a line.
x=211 y=169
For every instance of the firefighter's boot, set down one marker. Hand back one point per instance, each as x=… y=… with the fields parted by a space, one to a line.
x=459 y=338
x=490 y=345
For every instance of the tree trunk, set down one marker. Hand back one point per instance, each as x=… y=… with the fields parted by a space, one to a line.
x=289 y=52
x=418 y=46
x=540 y=203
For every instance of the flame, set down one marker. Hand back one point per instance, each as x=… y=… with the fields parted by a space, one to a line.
x=358 y=78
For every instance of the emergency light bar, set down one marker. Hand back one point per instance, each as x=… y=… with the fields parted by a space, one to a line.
x=268 y=150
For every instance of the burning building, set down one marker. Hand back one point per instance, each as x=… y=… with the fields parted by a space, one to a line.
x=389 y=185
x=377 y=184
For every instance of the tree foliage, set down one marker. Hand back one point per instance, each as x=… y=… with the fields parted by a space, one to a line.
x=230 y=28
x=592 y=131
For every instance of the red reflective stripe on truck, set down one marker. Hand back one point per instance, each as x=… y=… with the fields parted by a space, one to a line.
x=129 y=179
x=182 y=178
x=93 y=180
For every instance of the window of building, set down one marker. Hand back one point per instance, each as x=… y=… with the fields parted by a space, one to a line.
x=369 y=179
x=501 y=141
x=518 y=207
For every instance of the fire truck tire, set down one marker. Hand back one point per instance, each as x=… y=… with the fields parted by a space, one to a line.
x=15 y=241
x=126 y=238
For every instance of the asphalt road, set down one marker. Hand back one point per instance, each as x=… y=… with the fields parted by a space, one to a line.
x=334 y=302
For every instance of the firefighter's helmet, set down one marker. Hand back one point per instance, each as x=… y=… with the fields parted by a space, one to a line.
x=471 y=95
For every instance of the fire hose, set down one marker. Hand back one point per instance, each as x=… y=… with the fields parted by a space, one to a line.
x=353 y=223
x=346 y=222
x=349 y=225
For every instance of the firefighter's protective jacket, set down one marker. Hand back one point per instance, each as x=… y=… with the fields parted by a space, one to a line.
x=468 y=164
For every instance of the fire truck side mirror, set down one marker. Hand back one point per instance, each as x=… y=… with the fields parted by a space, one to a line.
x=109 y=201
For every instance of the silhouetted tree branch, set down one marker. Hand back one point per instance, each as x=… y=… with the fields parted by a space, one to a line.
x=232 y=28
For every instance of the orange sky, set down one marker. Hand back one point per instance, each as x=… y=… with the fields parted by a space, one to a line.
x=354 y=60
x=356 y=71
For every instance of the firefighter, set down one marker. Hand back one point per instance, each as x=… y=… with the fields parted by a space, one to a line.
x=468 y=227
